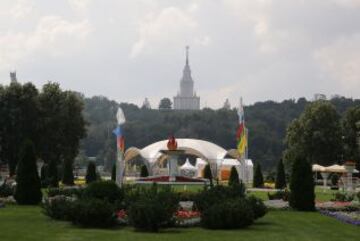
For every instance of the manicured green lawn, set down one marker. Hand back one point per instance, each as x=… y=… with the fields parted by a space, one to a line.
x=28 y=223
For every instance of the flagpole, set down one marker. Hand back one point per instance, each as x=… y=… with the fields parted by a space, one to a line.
x=120 y=162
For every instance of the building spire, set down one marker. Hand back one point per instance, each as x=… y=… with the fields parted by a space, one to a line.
x=187 y=54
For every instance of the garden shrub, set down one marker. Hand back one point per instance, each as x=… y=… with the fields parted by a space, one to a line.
x=6 y=190
x=93 y=213
x=217 y=194
x=283 y=195
x=59 y=207
x=148 y=215
x=230 y=214
x=187 y=196
x=151 y=207
x=257 y=206
x=343 y=197
x=68 y=192
x=334 y=179
x=106 y=190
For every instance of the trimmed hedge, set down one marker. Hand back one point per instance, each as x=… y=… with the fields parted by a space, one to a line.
x=104 y=190
x=230 y=214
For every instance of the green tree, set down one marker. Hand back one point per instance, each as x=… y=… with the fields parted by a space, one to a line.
x=208 y=174
x=234 y=177
x=315 y=135
x=258 y=177
x=113 y=173
x=91 y=173
x=280 y=181
x=350 y=130
x=28 y=187
x=68 y=175
x=53 y=174
x=144 y=171
x=165 y=104
x=302 y=195
x=44 y=175
x=19 y=121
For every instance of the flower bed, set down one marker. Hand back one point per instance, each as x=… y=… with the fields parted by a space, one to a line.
x=346 y=217
x=347 y=212
x=185 y=218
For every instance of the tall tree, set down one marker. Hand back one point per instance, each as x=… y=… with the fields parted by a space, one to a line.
x=53 y=174
x=315 y=135
x=302 y=195
x=258 y=177
x=351 y=131
x=280 y=181
x=28 y=187
x=19 y=120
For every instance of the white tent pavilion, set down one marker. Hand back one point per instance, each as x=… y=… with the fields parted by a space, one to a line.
x=325 y=171
x=187 y=169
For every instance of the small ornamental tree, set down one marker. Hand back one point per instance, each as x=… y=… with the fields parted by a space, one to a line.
x=234 y=177
x=208 y=174
x=258 y=177
x=68 y=175
x=280 y=181
x=90 y=173
x=144 y=171
x=302 y=186
x=28 y=186
x=53 y=175
x=113 y=173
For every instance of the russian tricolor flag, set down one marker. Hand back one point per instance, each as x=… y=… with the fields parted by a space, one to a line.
x=120 y=140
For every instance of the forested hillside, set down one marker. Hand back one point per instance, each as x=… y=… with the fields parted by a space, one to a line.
x=266 y=121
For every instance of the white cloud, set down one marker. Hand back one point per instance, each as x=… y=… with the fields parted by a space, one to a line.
x=53 y=36
x=341 y=61
x=172 y=27
x=21 y=9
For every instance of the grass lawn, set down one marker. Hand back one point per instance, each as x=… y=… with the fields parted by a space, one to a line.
x=28 y=223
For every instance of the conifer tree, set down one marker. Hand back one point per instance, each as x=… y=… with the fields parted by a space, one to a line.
x=53 y=175
x=208 y=174
x=28 y=186
x=91 y=173
x=258 y=177
x=144 y=171
x=68 y=175
x=234 y=177
x=302 y=193
x=280 y=181
x=44 y=175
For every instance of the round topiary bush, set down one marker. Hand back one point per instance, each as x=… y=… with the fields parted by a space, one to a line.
x=257 y=206
x=147 y=215
x=230 y=214
x=93 y=213
x=59 y=207
x=104 y=190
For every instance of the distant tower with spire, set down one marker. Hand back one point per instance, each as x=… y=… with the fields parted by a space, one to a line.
x=186 y=99
x=13 y=78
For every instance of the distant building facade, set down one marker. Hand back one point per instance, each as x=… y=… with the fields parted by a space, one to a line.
x=186 y=98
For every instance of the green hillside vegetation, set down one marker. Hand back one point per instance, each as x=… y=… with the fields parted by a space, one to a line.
x=266 y=121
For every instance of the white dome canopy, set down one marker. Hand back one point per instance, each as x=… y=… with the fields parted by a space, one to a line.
x=200 y=148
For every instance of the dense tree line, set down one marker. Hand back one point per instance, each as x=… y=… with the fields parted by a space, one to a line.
x=52 y=119
x=267 y=123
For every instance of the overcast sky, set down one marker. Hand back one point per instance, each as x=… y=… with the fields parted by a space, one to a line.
x=131 y=49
